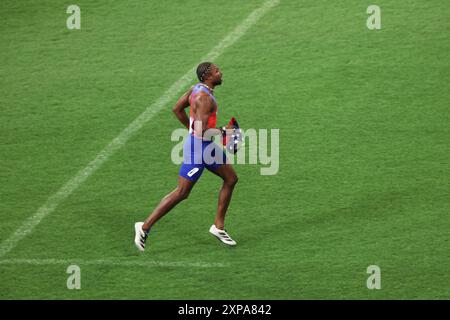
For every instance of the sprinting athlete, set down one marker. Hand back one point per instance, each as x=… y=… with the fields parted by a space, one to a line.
x=199 y=152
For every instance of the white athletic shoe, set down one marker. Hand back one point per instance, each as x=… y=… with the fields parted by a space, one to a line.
x=222 y=235
x=139 y=236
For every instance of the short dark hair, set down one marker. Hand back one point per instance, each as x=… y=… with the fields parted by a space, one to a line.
x=203 y=70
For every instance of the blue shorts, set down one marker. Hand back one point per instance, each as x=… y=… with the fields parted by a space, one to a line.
x=198 y=155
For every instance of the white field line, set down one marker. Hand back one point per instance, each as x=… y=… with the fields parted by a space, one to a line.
x=66 y=190
x=112 y=262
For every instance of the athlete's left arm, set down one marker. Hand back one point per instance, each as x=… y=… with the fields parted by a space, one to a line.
x=179 y=107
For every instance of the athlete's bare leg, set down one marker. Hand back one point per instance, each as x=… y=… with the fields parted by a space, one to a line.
x=229 y=177
x=169 y=201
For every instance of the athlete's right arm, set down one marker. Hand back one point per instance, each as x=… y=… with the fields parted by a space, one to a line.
x=179 y=107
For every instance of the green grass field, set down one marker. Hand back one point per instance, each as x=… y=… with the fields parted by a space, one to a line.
x=364 y=150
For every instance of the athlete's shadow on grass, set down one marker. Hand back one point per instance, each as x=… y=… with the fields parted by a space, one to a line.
x=159 y=247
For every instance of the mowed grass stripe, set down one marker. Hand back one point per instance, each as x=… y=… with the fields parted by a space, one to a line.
x=114 y=262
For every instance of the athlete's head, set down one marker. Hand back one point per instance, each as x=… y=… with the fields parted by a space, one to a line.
x=207 y=71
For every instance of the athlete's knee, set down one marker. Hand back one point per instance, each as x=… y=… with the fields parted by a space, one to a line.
x=231 y=181
x=182 y=193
